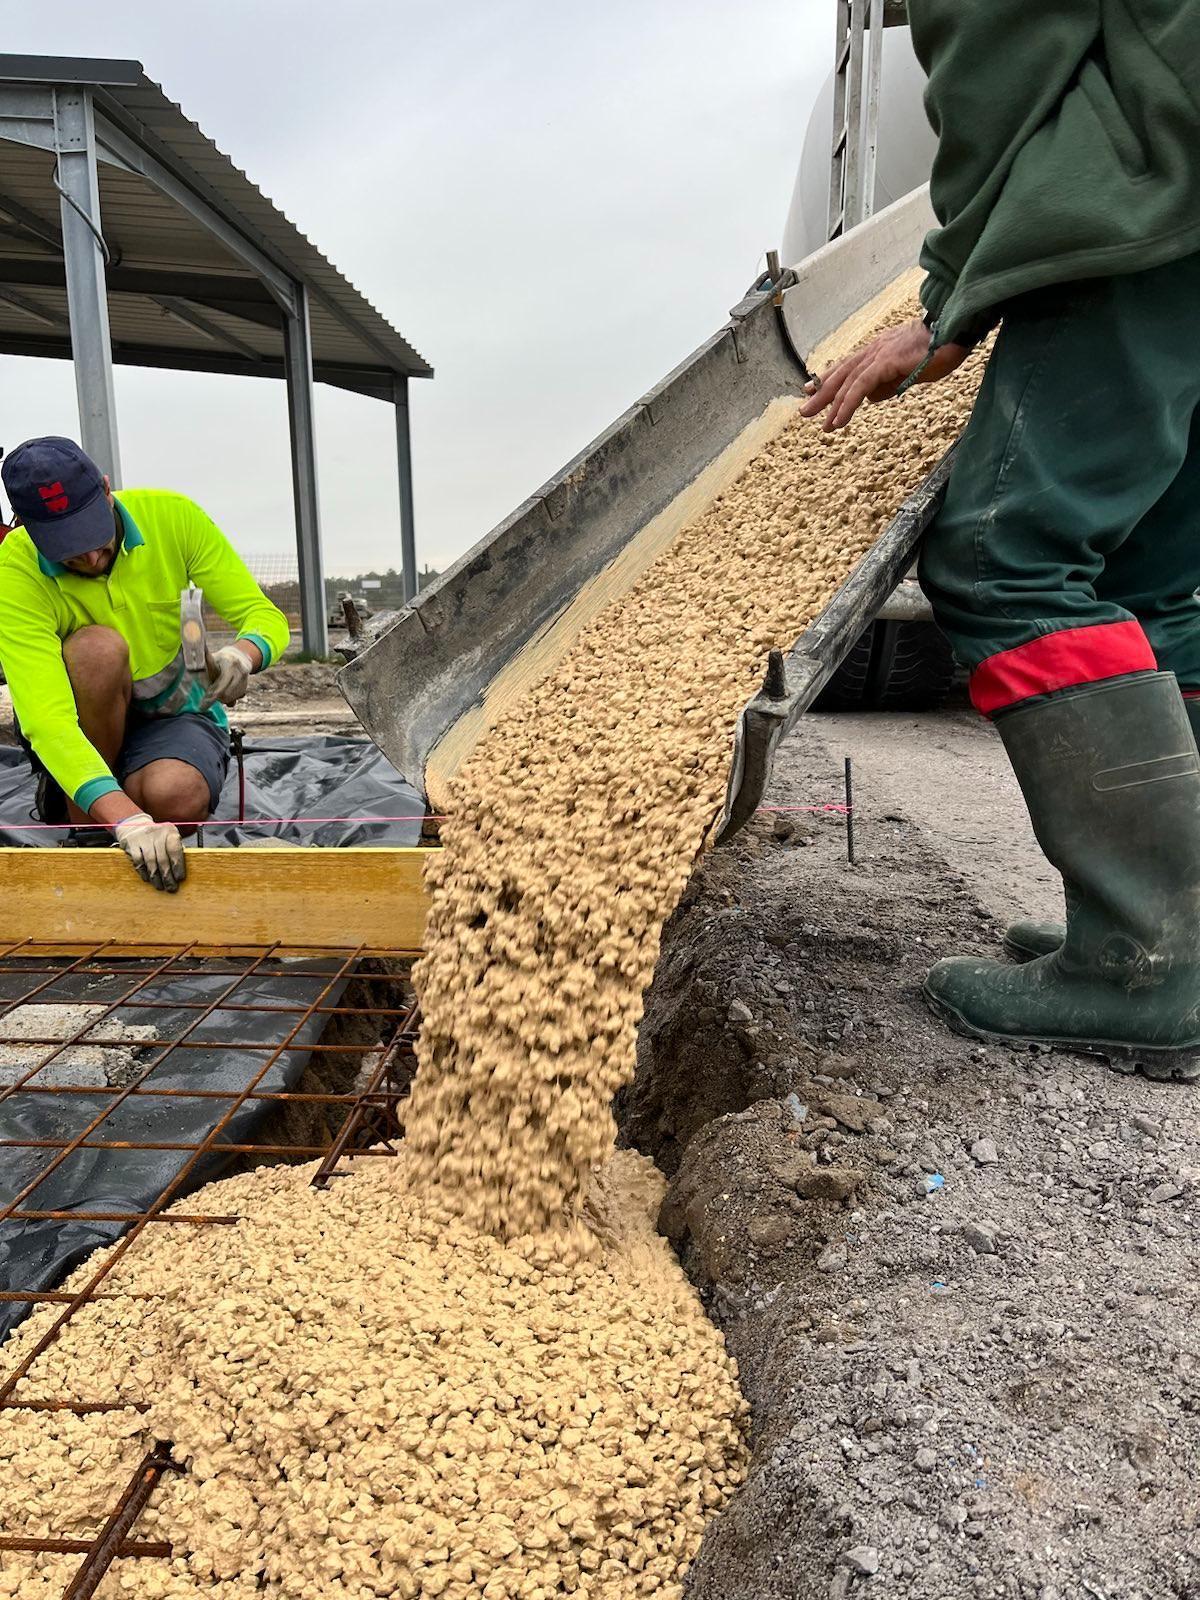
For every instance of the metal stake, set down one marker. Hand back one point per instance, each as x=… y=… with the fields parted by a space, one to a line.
x=129 y=1508
x=849 y=811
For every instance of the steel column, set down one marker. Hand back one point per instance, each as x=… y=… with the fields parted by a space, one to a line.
x=875 y=25
x=852 y=192
x=408 y=536
x=91 y=347
x=302 y=430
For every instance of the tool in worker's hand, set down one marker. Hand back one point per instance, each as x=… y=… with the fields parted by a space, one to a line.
x=237 y=743
x=226 y=675
x=192 y=633
x=229 y=677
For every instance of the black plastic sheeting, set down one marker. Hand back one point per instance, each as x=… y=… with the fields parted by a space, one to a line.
x=38 y=1254
x=322 y=776
x=319 y=776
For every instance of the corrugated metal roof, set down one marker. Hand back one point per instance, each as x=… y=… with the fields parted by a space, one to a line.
x=218 y=317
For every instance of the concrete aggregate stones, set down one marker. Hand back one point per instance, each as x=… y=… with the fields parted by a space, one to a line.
x=577 y=822
x=372 y=1399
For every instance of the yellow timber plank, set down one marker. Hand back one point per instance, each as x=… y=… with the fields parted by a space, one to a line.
x=305 y=899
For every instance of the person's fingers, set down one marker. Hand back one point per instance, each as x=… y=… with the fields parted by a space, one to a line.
x=819 y=397
x=176 y=858
x=210 y=695
x=166 y=862
x=850 y=396
x=828 y=386
x=845 y=374
x=869 y=383
x=157 y=877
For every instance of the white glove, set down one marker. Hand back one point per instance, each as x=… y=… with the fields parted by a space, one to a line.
x=155 y=849
x=229 y=677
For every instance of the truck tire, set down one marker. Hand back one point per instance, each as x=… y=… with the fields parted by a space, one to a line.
x=893 y=666
x=845 y=691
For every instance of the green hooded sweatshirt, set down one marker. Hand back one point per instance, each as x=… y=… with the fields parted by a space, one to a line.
x=1068 y=146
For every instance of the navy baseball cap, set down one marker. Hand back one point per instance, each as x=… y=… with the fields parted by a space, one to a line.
x=58 y=493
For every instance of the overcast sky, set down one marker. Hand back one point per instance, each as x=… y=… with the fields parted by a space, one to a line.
x=553 y=200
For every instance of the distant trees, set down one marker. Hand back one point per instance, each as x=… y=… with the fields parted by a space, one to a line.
x=382 y=589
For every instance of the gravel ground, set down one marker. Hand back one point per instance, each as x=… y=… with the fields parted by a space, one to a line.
x=959 y=1281
x=297 y=698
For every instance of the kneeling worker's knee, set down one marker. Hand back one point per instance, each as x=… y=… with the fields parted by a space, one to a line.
x=96 y=653
x=171 y=791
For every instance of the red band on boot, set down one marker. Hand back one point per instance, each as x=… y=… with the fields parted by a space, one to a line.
x=1060 y=660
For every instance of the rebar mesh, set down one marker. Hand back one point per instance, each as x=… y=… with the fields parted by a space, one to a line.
x=369 y=1124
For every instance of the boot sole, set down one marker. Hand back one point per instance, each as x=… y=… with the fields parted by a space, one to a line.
x=1178 y=1065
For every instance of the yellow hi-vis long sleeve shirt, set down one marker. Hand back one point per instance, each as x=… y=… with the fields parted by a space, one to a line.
x=167 y=544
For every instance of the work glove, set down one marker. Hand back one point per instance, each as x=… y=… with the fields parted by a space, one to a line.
x=155 y=849
x=228 y=677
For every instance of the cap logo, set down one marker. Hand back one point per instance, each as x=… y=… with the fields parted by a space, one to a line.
x=54 y=495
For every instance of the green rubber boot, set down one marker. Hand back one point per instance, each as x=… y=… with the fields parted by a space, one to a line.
x=1026 y=940
x=1111 y=776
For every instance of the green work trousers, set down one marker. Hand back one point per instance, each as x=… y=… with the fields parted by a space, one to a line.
x=1068 y=547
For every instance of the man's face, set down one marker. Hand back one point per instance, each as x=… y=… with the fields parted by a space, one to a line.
x=95 y=563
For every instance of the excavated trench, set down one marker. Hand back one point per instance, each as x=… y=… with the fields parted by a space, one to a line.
x=957 y=1280
x=371 y=1009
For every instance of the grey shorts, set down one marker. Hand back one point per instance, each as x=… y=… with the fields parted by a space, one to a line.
x=188 y=737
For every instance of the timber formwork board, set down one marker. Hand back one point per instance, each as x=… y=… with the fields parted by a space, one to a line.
x=308 y=899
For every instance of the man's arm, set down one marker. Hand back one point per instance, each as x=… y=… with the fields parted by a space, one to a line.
x=43 y=701
x=215 y=566
x=996 y=73
x=877 y=372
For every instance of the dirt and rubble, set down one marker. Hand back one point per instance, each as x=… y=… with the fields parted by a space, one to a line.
x=296 y=697
x=959 y=1281
x=112 y=1056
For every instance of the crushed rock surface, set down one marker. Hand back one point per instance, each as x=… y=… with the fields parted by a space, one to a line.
x=109 y=1058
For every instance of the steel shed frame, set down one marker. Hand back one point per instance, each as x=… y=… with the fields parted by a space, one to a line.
x=163 y=253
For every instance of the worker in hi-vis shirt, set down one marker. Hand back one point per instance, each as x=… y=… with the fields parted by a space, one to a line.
x=118 y=732
x=1065 y=562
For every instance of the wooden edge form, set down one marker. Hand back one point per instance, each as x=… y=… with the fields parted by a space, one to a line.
x=305 y=899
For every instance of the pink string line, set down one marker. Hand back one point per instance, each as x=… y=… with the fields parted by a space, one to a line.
x=267 y=822
x=223 y=822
